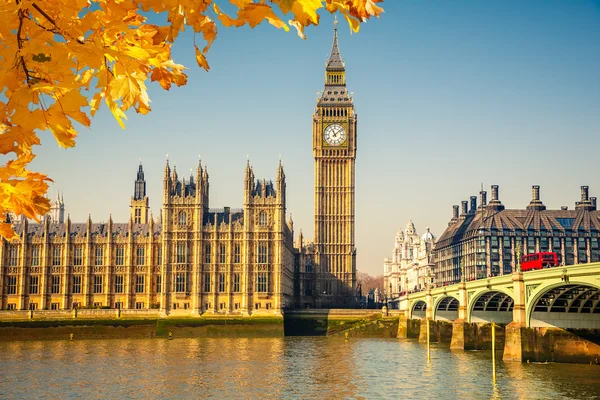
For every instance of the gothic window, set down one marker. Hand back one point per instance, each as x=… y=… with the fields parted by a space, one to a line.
x=237 y=256
x=141 y=256
x=181 y=251
x=207 y=254
x=78 y=255
x=119 y=283
x=139 y=283
x=261 y=282
x=159 y=254
x=138 y=216
x=55 y=287
x=262 y=253
x=120 y=256
x=159 y=284
x=76 y=284
x=35 y=256
x=222 y=253
x=11 y=286
x=34 y=285
x=182 y=218
x=263 y=218
x=56 y=255
x=99 y=255
x=236 y=282
x=207 y=282
x=13 y=256
x=180 y=282
x=97 y=283
x=221 y=282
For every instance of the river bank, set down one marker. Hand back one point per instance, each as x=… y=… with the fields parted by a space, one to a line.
x=115 y=324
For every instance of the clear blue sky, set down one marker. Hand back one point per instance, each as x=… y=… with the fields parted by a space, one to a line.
x=448 y=94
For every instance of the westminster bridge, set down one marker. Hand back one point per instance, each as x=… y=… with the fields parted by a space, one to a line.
x=548 y=314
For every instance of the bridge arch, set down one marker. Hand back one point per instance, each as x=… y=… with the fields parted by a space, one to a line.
x=570 y=304
x=491 y=305
x=418 y=310
x=445 y=308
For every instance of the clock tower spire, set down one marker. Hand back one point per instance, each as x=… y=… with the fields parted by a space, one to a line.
x=334 y=151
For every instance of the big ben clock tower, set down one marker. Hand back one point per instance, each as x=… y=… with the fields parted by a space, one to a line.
x=334 y=149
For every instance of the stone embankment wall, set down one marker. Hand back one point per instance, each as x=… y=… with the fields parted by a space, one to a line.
x=348 y=323
x=552 y=344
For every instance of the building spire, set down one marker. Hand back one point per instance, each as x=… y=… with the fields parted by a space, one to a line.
x=335 y=62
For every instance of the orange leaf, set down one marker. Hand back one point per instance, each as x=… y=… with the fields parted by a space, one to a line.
x=200 y=59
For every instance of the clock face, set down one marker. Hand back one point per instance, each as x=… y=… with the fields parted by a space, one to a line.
x=334 y=134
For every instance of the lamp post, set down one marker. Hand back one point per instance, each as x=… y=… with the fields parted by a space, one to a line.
x=518 y=251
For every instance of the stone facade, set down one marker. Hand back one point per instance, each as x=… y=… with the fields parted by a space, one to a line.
x=197 y=258
x=332 y=257
x=483 y=241
x=411 y=267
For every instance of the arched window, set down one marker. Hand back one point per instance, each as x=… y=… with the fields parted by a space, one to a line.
x=182 y=218
x=263 y=219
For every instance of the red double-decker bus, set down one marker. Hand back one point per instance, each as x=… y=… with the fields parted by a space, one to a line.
x=533 y=261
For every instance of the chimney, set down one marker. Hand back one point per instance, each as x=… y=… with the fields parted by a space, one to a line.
x=495 y=203
x=464 y=209
x=584 y=193
x=593 y=201
x=535 y=192
x=585 y=203
x=535 y=203
x=455 y=212
x=494 y=193
x=483 y=198
x=564 y=208
x=473 y=204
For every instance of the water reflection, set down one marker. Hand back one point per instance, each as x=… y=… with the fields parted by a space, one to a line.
x=301 y=367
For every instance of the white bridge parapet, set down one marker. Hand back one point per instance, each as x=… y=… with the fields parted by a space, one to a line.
x=534 y=298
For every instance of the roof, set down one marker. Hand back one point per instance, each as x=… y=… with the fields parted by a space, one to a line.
x=335 y=62
x=523 y=220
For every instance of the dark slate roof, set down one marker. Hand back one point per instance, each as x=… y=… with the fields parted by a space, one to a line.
x=524 y=220
x=335 y=96
x=264 y=188
x=223 y=216
x=335 y=62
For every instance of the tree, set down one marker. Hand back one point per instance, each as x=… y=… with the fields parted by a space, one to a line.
x=61 y=59
x=369 y=282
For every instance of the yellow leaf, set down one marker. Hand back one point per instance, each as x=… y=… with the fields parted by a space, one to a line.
x=226 y=19
x=7 y=232
x=124 y=87
x=117 y=112
x=299 y=27
x=200 y=59
x=254 y=14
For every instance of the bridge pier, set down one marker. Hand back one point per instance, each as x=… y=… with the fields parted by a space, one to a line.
x=409 y=328
x=439 y=331
x=515 y=331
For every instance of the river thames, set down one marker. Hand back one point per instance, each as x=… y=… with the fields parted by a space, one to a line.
x=291 y=367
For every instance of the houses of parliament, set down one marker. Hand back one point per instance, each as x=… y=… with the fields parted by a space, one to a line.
x=197 y=258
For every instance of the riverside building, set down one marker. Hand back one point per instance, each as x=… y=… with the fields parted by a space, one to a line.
x=197 y=258
x=194 y=257
x=410 y=268
x=482 y=241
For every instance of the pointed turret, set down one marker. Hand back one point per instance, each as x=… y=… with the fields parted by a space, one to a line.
x=335 y=62
x=88 y=225
x=139 y=191
x=280 y=191
x=139 y=201
x=174 y=177
x=335 y=93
